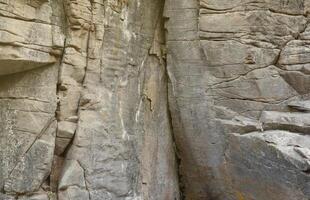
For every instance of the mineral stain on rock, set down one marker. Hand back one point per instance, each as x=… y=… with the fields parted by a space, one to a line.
x=154 y=100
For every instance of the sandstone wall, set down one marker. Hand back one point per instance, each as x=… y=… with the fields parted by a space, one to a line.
x=90 y=120
x=239 y=97
x=154 y=100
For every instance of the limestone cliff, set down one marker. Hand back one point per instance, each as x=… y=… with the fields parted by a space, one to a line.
x=154 y=100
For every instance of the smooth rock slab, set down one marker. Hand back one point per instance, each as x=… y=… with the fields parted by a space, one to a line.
x=266 y=166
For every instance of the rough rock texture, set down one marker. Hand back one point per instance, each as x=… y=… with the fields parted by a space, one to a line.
x=154 y=100
x=239 y=91
x=91 y=120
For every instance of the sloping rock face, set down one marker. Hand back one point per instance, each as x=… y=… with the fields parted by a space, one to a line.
x=238 y=93
x=154 y=100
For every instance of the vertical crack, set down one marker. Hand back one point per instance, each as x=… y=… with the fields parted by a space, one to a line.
x=177 y=156
x=85 y=180
x=176 y=150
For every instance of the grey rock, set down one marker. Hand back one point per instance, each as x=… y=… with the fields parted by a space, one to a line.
x=35 y=165
x=66 y=129
x=229 y=62
x=303 y=106
x=73 y=193
x=154 y=99
x=73 y=175
x=105 y=61
x=61 y=145
x=258 y=161
x=292 y=121
x=6 y=197
x=42 y=196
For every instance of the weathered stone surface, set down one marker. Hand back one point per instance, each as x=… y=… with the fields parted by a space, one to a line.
x=42 y=196
x=73 y=175
x=236 y=67
x=30 y=37
x=154 y=99
x=66 y=129
x=110 y=129
x=26 y=44
x=73 y=193
x=268 y=166
x=27 y=129
x=105 y=61
x=303 y=106
x=293 y=121
x=65 y=134
x=35 y=165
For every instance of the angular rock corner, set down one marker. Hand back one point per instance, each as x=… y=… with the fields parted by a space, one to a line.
x=154 y=100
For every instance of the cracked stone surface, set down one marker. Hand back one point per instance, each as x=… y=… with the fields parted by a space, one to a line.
x=83 y=101
x=154 y=100
x=236 y=68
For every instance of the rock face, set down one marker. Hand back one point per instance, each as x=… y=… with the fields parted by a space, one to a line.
x=83 y=101
x=154 y=100
x=238 y=93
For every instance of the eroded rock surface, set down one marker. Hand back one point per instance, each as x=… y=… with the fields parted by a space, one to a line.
x=83 y=99
x=238 y=67
x=154 y=100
